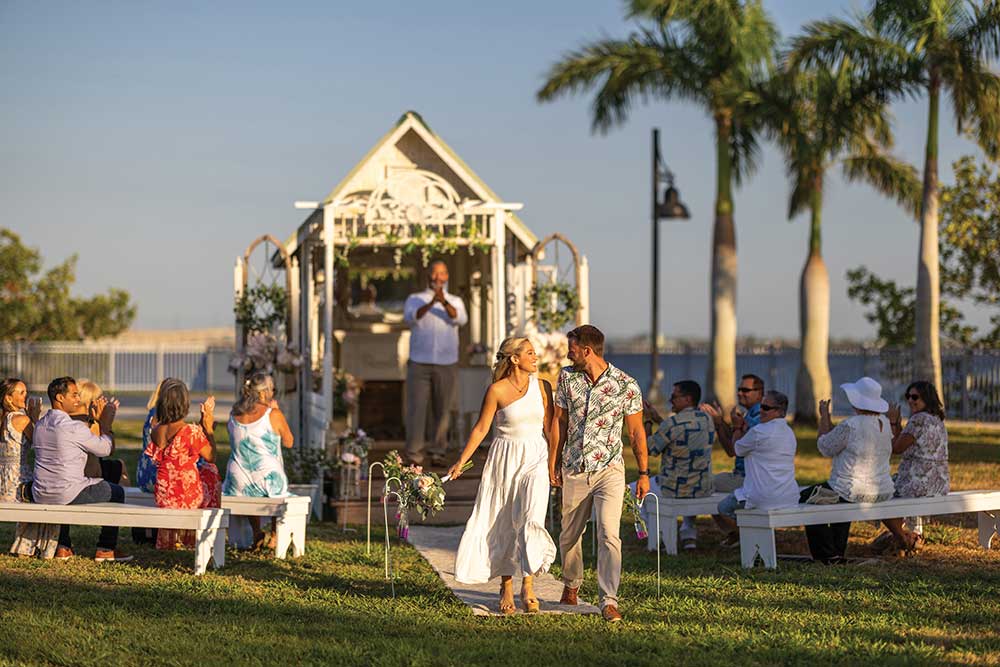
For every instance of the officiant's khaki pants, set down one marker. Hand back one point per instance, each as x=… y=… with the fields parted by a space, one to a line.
x=600 y=492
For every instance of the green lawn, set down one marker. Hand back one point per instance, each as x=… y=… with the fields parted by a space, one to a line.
x=333 y=606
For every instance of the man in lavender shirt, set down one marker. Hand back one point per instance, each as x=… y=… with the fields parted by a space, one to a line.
x=61 y=447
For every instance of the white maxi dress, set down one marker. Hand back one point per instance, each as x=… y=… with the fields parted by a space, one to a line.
x=506 y=535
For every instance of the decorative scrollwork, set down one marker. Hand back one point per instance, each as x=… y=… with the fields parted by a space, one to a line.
x=412 y=198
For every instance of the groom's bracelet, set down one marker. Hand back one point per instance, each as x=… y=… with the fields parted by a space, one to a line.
x=644 y=472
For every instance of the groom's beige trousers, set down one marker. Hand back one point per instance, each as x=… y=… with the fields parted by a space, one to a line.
x=601 y=492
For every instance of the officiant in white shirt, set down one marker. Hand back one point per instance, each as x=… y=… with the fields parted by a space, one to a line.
x=434 y=317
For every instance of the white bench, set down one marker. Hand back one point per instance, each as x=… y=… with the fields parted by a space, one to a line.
x=290 y=515
x=670 y=510
x=757 y=526
x=209 y=525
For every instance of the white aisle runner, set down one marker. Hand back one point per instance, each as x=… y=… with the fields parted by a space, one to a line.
x=439 y=544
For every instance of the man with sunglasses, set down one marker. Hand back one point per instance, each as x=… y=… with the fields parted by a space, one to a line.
x=768 y=451
x=749 y=394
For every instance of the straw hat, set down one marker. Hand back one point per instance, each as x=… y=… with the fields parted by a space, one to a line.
x=865 y=394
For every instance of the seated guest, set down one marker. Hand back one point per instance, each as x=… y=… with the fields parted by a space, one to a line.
x=61 y=448
x=257 y=430
x=18 y=416
x=684 y=443
x=110 y=470
x=145 y=472
x=176 y=449
x=749 y=394
x=860 y=447
x=768 y=451
x=923 y=470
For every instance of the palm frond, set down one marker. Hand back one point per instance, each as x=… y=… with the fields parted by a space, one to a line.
x=646 y=65
x=890 y=176
x=980 y=29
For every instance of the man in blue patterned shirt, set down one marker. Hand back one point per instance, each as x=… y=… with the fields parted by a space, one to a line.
x=684 y=441
x=749 y=393
x=592 y=399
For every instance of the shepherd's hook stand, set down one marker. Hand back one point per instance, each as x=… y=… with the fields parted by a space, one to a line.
x=656 y=500
x=368 y=540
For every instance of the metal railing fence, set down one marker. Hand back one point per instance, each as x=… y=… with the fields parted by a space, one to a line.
x=118 y=367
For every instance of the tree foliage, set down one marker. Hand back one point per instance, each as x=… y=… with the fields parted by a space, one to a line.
x=969 y=243
x=37 y=305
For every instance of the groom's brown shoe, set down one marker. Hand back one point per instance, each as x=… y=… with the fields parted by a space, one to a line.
x=569 y=595
x=611 y=614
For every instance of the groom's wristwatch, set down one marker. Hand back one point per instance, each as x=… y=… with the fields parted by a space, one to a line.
x=643 y=473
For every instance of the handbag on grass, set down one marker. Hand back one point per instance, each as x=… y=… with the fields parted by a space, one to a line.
x=821 y=495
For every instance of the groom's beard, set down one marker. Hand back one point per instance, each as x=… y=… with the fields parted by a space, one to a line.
x=578 y=365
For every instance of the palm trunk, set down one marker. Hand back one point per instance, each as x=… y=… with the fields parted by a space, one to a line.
x=813 y=381
x=721 y=381
x=927 y=352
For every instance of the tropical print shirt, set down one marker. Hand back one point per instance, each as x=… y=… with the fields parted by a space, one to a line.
x=595 y=413
x=685 y=441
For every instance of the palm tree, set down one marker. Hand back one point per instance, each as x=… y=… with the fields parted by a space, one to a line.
x=820 y=117
x=935 y=46
x=711 y=52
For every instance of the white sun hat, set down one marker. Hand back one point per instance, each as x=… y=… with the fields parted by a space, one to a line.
x=865 y=394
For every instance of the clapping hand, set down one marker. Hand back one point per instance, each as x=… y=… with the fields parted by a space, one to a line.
x=737 y=418
x=824 y=409
x=713 y=410
x=33 y=408
x=893 y=413
x=208 y=415
x=439 y=296
x=104 y=411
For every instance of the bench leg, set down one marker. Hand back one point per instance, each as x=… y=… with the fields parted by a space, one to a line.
x=283 y=537
x=204 y=541
x=758 y=541
x=989 y=527
x=219 y=548
x=299 y=536
x=669 y=530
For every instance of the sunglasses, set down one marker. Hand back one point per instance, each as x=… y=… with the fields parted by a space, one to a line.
x=745 y=390
x=913 y=397
x=764 y=408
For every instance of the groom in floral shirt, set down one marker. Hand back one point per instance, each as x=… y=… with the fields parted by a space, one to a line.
x=592 y=398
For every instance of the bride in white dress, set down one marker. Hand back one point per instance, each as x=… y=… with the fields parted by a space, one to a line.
x=506 y=535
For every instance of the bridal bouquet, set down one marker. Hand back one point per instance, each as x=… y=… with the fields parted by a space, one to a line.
x=632 y=505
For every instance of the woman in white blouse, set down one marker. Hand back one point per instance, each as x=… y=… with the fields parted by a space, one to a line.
x=860 y=447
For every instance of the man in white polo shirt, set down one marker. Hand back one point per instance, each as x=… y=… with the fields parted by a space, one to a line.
x=768 y=450
x=434 y=317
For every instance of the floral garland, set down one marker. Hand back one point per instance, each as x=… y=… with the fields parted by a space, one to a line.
x=554 y=305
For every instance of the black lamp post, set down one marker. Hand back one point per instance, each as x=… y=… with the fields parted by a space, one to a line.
x=669 y=208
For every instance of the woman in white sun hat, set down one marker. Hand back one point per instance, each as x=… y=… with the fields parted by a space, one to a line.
x=860 y=447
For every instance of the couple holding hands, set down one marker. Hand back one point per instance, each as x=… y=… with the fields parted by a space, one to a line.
x=569 y=437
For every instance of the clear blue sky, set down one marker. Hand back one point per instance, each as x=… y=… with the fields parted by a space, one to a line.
x=158 y=139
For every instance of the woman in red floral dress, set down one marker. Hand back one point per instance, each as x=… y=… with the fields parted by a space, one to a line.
x=176 y=447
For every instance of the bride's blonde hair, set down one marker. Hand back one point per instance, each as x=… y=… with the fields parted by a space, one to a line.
x=503 y=365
